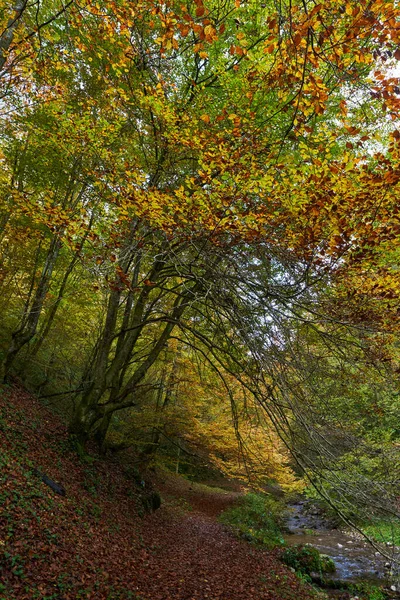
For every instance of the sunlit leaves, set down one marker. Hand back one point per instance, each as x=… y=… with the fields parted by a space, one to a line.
x=230 y=120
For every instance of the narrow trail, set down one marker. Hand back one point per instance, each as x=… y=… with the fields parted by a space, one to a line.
x=91 y=544
x=190 y=556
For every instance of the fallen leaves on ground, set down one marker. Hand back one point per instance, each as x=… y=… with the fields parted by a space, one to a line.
x=94 y=544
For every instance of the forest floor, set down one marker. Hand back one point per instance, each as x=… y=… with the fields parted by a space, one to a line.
x=93 y=543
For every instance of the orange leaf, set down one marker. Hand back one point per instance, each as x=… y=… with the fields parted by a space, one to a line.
x=184 y=29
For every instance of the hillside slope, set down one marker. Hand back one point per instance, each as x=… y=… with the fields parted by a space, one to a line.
x=95 y=542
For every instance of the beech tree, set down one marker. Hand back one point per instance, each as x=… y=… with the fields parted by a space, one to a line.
x=224 y=174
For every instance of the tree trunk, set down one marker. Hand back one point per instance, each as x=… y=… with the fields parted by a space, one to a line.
x=166 y=389
x=101 y=432
x=53 y=311
x=29 y=323
x=7 y=36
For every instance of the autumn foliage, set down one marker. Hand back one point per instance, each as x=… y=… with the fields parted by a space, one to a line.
x=93 y=544
x=199 y=222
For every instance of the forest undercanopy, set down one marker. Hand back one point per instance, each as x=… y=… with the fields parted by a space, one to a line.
x=199 y=232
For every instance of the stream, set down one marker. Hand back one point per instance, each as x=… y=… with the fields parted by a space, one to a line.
x=355 y=559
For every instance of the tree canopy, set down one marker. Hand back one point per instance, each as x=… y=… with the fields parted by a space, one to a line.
x=199 y=211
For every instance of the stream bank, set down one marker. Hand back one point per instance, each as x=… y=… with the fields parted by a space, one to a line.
x=355 y=559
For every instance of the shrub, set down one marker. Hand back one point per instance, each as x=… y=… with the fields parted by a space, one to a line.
x=307 y=559
x=367 y=591
x=257 y=519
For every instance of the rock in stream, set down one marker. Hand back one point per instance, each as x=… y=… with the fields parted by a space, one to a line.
x=355 y=559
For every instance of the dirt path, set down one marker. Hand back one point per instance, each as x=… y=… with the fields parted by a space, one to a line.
x=190 y=556
x=91 y=543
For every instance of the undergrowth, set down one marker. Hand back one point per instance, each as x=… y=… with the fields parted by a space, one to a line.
x=367 y=592
x=257 y=518
x=384 y=531
x=306 y=559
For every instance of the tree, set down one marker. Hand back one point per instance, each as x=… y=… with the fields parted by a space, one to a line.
x=210 y=170
x=25 y=29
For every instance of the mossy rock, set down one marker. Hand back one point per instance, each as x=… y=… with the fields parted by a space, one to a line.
x=151 y=501
x=306 y=559
x=327 y=564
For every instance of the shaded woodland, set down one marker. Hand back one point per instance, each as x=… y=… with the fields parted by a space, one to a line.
x=199 y=227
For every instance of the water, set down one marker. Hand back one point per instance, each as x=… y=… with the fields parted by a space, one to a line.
x=355 y=559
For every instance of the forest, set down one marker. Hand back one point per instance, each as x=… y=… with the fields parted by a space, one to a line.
x=199 y=264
